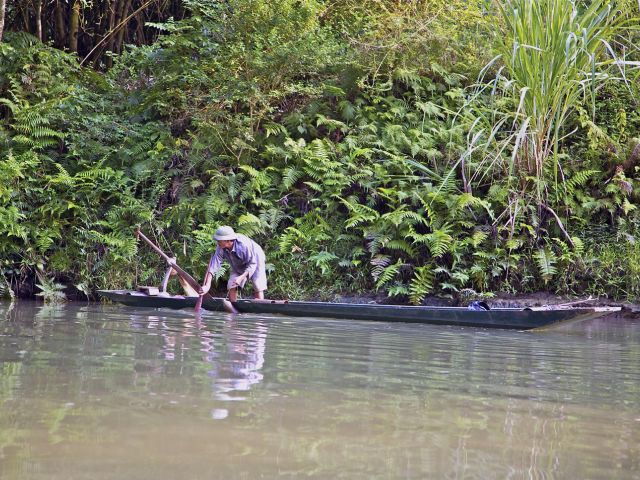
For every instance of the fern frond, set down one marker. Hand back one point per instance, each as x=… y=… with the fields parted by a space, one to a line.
x=439 y=241
x=397 y=290
x=250 y=225
x=272 y=218
x=274 y=129
x=290 y=176
x=401 y=215
x=360 y=213
x=323 y=260
x=579 y=179
x=384 y=275
x=546 y=260
x=401 y=246
x=421 y=284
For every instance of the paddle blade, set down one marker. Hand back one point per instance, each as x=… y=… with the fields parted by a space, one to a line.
x=228 y=306
x=199 y=303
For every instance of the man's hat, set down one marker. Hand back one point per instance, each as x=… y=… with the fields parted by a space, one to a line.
x=225 y=233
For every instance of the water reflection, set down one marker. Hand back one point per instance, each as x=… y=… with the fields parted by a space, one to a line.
x=235 y=352
x=245 y=351
x=89 y=391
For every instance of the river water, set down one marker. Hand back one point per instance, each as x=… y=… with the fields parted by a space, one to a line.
x=108 y=392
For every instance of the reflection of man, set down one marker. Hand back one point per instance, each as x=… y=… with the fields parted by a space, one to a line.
x=235 y=352
x=247 y=261
x=241 y=367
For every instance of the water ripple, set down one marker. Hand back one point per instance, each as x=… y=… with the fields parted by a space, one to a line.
x=277 y=396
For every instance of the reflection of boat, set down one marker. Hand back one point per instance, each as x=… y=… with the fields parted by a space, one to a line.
x=516 y=318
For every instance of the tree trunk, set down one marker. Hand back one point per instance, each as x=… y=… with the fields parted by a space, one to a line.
x=120 y=34
x=39 y=19
x=24 y=10
x=3 y=4
x=114 y=16
x=74 y=25
x=60 y=25
x=140 y=40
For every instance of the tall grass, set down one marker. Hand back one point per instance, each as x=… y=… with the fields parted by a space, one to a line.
x=556 y=52
x=553 y=57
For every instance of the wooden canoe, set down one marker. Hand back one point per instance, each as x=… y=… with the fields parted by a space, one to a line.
x=512 y=318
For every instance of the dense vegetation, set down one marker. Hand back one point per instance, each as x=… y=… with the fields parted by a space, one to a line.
x=436 y=147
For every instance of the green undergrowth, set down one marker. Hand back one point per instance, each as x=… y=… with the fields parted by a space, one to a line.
x=349 y=152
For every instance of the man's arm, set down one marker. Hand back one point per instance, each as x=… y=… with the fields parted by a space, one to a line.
x=206 y=284
x=251 y=268
x=252 y=258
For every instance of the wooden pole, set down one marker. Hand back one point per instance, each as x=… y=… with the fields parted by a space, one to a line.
x=187 y=278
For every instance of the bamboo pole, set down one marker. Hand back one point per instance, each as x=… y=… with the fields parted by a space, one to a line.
x=226 y=304
x=171 y=262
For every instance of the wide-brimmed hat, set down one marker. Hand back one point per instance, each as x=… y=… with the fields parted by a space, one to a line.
x=225 y=233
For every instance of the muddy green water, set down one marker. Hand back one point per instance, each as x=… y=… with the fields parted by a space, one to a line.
x=110 y=392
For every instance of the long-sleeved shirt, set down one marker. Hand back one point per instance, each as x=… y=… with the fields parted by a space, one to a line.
x=244 y=257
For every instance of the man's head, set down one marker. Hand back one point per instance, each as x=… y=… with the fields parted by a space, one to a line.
x=225 y=237
x=226 y=244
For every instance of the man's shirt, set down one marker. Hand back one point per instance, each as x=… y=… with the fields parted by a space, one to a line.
x=243 y=256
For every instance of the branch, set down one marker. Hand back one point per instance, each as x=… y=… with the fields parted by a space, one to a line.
x=550 y=210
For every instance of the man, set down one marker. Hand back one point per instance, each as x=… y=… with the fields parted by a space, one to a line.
x=247 y=261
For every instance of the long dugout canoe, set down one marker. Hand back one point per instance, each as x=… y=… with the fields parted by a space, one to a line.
x=510 y=318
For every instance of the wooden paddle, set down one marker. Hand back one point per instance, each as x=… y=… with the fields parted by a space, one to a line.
x=228 y=306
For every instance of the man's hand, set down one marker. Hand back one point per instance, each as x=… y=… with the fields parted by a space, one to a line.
x=240 y=280
x=206 y=284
